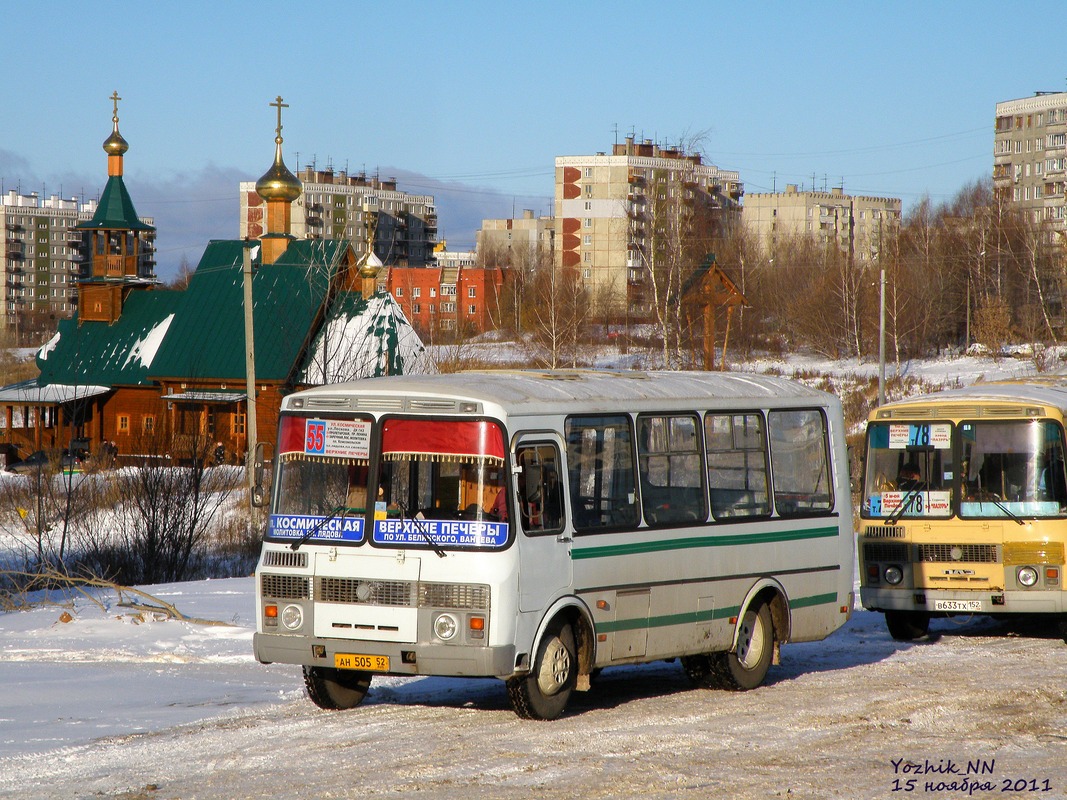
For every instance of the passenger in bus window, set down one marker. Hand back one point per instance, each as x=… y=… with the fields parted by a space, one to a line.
x=909 y=478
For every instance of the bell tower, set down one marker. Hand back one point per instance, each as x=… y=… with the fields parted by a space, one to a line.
x=117 y=244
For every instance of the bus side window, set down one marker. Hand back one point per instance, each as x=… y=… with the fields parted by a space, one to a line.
x=800 y=462
x=540 y=497
x=602 y=478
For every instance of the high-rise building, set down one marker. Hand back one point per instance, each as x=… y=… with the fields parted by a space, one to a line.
x=857 y=225
x=499 y=241
x=336 y=205
x=606 y=212
x=43 y=258
x=1029 y=152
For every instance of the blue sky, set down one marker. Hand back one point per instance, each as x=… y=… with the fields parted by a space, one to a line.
x=472 y=101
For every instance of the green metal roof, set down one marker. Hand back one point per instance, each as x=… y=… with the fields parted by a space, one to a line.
x=115 y=209
x=198 y=333
x=364 y=338
x=119 y=354
x=207 y=339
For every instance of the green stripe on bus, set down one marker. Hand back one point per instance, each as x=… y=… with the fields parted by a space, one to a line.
x=693 y=617
x=730 y=540
x=814 y=600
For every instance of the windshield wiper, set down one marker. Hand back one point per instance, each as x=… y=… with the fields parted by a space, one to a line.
x=905 y=504
x=421 y=529
x=1005 y=509
x=296 y=545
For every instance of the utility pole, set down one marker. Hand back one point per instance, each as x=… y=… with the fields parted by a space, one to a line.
x=250 y=370
x=881 y=343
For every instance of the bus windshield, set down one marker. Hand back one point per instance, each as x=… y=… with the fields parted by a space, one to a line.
x=1008 y=469
x=440 y=483
x=1012 y=467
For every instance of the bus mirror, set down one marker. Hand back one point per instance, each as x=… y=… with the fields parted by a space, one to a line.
x=260 y=490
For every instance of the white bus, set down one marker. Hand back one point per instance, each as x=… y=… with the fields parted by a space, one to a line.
x=539 y=526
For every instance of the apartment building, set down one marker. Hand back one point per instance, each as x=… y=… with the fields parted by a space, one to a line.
x=509 y=241
x=1029 y=152
x=43 y=259
x=446 y=300
x=605 y=214
x=336 y=205
x=857 y=225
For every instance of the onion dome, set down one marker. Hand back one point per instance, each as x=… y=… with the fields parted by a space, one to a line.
x=278 y=183
x=115 y=145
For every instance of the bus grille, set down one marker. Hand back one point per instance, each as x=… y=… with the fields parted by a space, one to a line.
x=884 y=531
x=885 y=551
x=366 y=592
x=285 y=587
x=453 y=595
x=285 y=558
x=971 y=553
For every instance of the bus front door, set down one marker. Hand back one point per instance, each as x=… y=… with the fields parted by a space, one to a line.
x=544 y=541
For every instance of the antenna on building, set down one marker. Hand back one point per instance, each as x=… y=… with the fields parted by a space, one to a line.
x=615 y=129
x=774 y=182
x=297 y=154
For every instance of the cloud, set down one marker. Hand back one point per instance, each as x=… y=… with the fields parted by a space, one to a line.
x=190 y=209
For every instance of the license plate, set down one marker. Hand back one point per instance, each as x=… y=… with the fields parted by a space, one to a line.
x=957 y=605
x=361 y=662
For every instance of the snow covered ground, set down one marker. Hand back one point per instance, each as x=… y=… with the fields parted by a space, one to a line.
x=108 y=706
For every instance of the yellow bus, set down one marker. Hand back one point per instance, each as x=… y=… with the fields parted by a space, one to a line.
x=964 y=505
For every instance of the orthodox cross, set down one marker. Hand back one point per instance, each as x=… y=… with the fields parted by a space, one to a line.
x=115 y=100
x=279 y=105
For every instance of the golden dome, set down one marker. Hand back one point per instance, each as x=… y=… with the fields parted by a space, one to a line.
x=115 y=145
x=278 y=183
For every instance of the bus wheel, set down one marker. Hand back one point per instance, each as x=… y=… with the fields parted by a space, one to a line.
x=746 y=665
x=336 y=689
x=906 y=626
x=544 y=692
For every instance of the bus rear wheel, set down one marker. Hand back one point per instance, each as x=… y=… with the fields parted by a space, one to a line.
x=544 y=692
x=746 y=666
x=906 y=626
x=336 y=689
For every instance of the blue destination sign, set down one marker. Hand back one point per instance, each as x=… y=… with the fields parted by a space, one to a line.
x=443 y=532
x=296 y=526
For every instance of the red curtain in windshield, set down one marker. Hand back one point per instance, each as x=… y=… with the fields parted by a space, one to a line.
x=442 y=439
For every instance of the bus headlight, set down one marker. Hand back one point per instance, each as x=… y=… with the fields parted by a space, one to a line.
x=445 y=626
x=1026 y=576
x=893 y=575
x=292 y=617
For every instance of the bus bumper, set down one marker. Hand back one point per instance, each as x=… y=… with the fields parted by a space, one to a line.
x=945 y=601
x=404 y=659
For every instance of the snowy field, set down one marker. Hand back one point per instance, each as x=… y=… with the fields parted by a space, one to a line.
x=111 y=706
